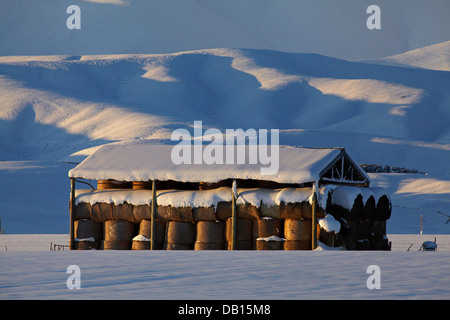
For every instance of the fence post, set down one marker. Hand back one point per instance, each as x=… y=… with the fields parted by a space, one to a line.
x=153 y=217
x=233 y=217
x=72 y=211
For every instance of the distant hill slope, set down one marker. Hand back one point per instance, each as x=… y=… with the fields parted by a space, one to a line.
x=434 y=57
x=53 y=107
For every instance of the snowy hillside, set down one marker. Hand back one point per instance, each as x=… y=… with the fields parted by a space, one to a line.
x=434 y=57
x=56 y=106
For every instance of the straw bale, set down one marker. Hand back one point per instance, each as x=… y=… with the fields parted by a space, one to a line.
x=330 y=238
x=378 y=228
x=113 y=184
x=199 y=245
x=115 y=245
x=204 y=214
x=140 y=245
x=296 y=245
x=247 y=211
x=270 y=227
x=86 y=244
x=123 y=211
x=262 y=244
x=210 y=232
x=178 y=246
x=240 y=245
x=139 y=185
x=363 y=229
x=141 y=212
x=291 y=210
x=349 y=214
x=86 y=228
x=82 y=211
x=270 y=211
x=383 y=209
x=100 y=212
x=244 y=230
x=298 y=229
x=180 y=233
x=145 y=229
x=223 y=210
x=179 y=214
x=119 y=231
x=369 y=208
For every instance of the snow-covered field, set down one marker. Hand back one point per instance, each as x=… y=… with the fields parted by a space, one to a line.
x=41 y=274
x=142 y=76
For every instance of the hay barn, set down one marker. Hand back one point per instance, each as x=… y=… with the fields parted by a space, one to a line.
x=143 y=201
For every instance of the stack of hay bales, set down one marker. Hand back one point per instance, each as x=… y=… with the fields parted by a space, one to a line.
x=363 y=213
x=284 y=225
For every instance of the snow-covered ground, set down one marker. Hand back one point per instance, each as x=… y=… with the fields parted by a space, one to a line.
x=223 y=275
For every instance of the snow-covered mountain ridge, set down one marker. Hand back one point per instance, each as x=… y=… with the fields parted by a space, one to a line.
x=53 y=107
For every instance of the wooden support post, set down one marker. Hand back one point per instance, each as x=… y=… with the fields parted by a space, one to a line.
x=314 y=220
x=72 y=213
x=153 y=218
x=233 y=217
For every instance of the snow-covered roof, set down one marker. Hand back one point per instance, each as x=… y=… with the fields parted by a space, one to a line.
x=143 y=162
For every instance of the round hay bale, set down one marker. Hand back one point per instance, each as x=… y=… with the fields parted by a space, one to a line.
x=145 y=229
x=178 y=214
x=199 y=245
x=122 y=212
x=298 y=229
x=112 y=184
x=115 y=245
x=119 y=231
x=363 y=229
x=204 y=214
x=330 y=238
x=180 y=233
x=378 y=228
x=178 y=246
x=270 y=227
x=269 y=243
x=296 y=245
x=291 y=210
x=357 y=208
x=369 y=208
x=247 y=211
x=100 y=212
x=86 y=228
x=270 y=211
x=104 y=184
x=141 y=212
x=240 y=245
x=210 y=232
x=140 y=185
x=82 y=211
x=244 y=230
x=383 y=209
x=140 y=245
x=87 y=244
x=141 y=242
x=223 y=210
